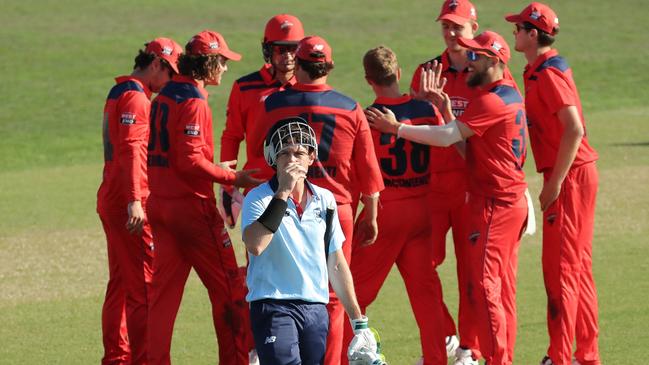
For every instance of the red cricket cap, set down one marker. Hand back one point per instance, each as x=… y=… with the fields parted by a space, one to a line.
x=540 y=15
x=283 y=29
x=457 y=11
x=166 y=49
x=314 y=49
x=488 y=43
x=210 y=42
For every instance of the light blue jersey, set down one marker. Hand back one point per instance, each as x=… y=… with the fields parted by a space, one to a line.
x=293 y=266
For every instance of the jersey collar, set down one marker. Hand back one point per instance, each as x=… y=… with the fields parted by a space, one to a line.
x=384 y=100
x=125 y=78
x=498 y=83
x=267 y=76
x=191 y=81
x=446 y=63
x=312 y=87
x=530 y=69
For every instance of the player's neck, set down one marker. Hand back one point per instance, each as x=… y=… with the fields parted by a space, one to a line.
x=391 y=91
x=143 y=76
x=532 y=54
x=299 y=193
x=458 y=59
x=282 y=77
x=303 y=78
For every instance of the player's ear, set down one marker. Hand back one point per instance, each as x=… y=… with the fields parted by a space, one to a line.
x=369 y=81
x=398 y=74
x=474 y=26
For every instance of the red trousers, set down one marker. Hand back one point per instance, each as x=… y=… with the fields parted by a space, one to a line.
x=337 y=318
x=494 y=232
x=449 y=211
x=568 y=268
x=189 y=234
x=124 y=313
x=405 y=239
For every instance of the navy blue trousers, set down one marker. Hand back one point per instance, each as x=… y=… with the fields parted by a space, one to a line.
x=289 y=332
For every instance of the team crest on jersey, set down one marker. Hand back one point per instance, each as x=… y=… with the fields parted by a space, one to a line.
x=192 y=130
x=127 y=118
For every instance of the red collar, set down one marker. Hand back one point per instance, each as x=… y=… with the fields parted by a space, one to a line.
x=539 y=61
x=312 y=87
x=122 y=79
x=384 y=100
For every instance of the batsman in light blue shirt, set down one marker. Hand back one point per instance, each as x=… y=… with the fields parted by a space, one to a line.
x=291 y=230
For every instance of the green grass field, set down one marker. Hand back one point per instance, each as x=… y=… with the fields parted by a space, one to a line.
x=58 y=60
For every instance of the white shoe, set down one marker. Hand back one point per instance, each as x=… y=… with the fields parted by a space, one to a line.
x=452 y=344
x=463 y=357
x=253 y=359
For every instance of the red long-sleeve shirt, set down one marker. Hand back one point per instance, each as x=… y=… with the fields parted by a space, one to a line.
x=343 y=134
x=125 y=135
x=181 y=147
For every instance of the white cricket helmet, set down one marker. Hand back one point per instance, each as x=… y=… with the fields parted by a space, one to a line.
x=288 y=132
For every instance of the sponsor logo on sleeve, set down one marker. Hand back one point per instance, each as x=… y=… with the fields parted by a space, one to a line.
x=127 y=118
x=192 y=130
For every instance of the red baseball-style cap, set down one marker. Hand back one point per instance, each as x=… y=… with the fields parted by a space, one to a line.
x=283 y=29
x=210 y=42
x=166 y=49
x=457 y=11
x=540 y=15
x=488 y=43
x=314 y=49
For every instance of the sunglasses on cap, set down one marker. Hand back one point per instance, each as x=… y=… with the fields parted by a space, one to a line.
x=284 y=48
x=474 y=56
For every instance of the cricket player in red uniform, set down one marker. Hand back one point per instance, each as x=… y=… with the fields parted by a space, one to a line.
x=404 y=216
x=281 y=35
x=189 y=232
x=344 y=143
x=494 y=127
x=567 y=162
x=121 y=201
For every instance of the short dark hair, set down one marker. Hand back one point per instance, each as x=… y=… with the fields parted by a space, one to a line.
x=315 y=70
x=199 y=67
x=544 y=39
x=143 y=60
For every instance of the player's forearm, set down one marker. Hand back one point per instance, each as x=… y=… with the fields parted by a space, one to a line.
x=441 y=136
x=573 y=133
x=256 y=237
x=370 y=205
x=198 y=166
x=132 y=159
x=342 y=283
x=230 y=144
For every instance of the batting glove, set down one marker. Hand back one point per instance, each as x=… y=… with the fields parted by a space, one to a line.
x=363 y=345
x=229 y=205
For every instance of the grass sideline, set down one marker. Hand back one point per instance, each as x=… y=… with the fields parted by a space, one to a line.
x=59 y=62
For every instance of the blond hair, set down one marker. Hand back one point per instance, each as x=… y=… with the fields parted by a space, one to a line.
x=381 y=66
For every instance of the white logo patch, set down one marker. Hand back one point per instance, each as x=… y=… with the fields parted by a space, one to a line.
x=535 y=15
x=214 y=45
x=270 y=339
x=192 y=130
x=556 y=20
x=497 y=46
x=127 y=118
x=285 y=24
x=318 y=47
x=167 y=51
